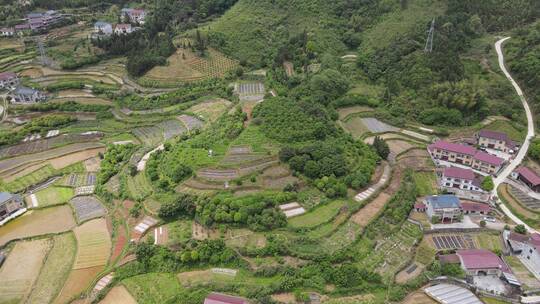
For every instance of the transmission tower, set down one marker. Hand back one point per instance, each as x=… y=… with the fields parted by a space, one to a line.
x=429 y=42
x=42 y=54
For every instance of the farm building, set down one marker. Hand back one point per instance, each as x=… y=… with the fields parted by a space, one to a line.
x=529 y=177
x=123 y=28
x=133 y=15
x=420 y=207
x=465 y=155
x=103 y=28
x=444 y=207
x=475 y=208
x=42 y=21
x=24 y=95
x=9 y=203
x=20 y=29
x=7 y=32
x=495 y=140
x=8 y=79
x=219 y=298
x=525 y=246
x=463 y=183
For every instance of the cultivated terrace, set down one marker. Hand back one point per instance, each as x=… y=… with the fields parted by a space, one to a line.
x=269 y=151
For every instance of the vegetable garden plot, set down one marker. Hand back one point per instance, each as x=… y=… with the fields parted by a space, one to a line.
x=190 y=122
x=150 y=136
x=376 y=126
x=87 y=207
x=171 y=128
x=94 y=244
x=453 y=241
x=80 y=179
x=251 y=88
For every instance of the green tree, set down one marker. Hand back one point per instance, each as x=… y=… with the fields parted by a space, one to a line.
x=381 y=147
x=520 y=229
x=487 y=183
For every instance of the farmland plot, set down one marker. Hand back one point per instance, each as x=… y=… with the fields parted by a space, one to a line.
x=250 y=91
x=79 y=179
x=171 y=128
x=190 y=122
x=38 y=222
x=376 y=126
x=117 y=295
x=150 y=136
x=87 y=207
x=55 y=270
x=94 y=244
x=139 y=186
x=152 y=288
x=53 y=196
x=21 y=269
x=210 y=110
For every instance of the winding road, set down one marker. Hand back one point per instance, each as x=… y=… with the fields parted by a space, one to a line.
x=524 y=147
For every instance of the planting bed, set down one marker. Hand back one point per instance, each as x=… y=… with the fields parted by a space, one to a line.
x=45 y=144
x=118 y=295
x=38 y=222
x=452 y=241
x=210 y=110
x=190 y=122
x=171 y=128
x=80 y=179
x=251 y=88
x=21 y=269
x=152 y=288
x=87 y=207
x=53 y=196
x=77 y=281
x=150 y=136
x=55 y=269
x=94 y=244
x=524 y=199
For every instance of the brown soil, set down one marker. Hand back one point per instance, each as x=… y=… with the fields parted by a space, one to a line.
x=403 y=277
x=418 y=297
x=92 y=164
x=120 y=243
x=70 y=159
x=284 y=297
x=199 y=232
x=118 y=295
x=76 y=283
x=364 y=216
x=38 y=222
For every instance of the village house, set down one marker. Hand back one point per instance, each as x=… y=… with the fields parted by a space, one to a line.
x=9 y=204
x=465 y=155
x=528 y=177
x=7 y=32
x=103 y=28
x=42 y=21
x=122 y=28
x=21 y=29
x=24 y=95
x=468 y=207
x=219 y=298
x=495 y=140
x=463 y=183
x=133 y=15
x=8 y=80
x=525 y=246
x=443 y=207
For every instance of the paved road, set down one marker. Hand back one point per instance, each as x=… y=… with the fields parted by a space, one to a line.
x=530 y=134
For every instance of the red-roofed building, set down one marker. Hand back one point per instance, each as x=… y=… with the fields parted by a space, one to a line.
x=8 y=79
x=481 y=262
x=122 y=28
x=487 y=163
x=529 y=177
x=495 y=140
x=463 y=183
x=7 y=32
x=420 y=207
x=219 y=298
x=475 y=208
x=452 y=152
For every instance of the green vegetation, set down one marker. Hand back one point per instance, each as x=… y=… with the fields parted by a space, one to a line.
x=40 y=175
x=113 y=160
x=54 y=196
x=426 y=183
x=152 y=287
x=38 y=125
x=318 y=215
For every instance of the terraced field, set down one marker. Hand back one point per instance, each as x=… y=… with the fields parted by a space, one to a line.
x=94 y=244
x=53 y=196
x=87 y=207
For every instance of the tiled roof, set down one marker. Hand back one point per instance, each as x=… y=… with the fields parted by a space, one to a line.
x=453 y=147
x=493 y=135
x=7 y=75
x=518 y=237
x=459 y=173
x=488 y=158
x=449 y=258
x=529 y=175
x=472 y=206
x=123 y=26
x=419 y=206
x=218 y=298
x=101 y=23
x=22 y=26
x=444 y=201
x=481 y=259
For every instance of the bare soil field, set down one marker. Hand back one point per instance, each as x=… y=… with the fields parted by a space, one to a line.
x=94 y=244
x=70 y=159
x=77 y=281
x=118 y=295
x=92 y=164
x=418 y=297
x=120 y=243
x=409 y=273
x=398 y=146
x=38 y=222
x=364 y=216
x=21 y=269
x=74 y=93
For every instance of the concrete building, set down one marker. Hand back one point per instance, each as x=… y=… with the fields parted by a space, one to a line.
x=466 y=155
x=133 y=15
x=24 y=95
x=9 y=204
x=468 y=207
x=495 y=140
x=43 y=21
x=463 y=183
x=7 y=32
x=103 y=28
x=219 y=298
x=444 y=207
x=8 y=80
x=528 y=177
x=21 y=29
x=122 y=28
x=526 y=246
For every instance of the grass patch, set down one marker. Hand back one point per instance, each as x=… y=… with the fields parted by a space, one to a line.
x=54 y=196
x=489 y=241
x=153 y=288
x=179 y=232
x=355 y=126
x=425 y=254
x=254 y=137
x=55 y=270
x=426 y=183
x=514 y=132
x=138 y=186
x=317 y=215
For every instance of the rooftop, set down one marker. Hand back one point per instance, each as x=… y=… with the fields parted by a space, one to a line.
x=453 y=147
x=219 y=298
x=493 y=135
x=24 y=91
x=444 y=201
x=101 y=23
x=529 y=175
x=5 y=196
x=123 y=26
x=459 y=173
x=7 y=75
x=449 y=259
x=472 y=206
x=488 y=158
x=481 y=259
